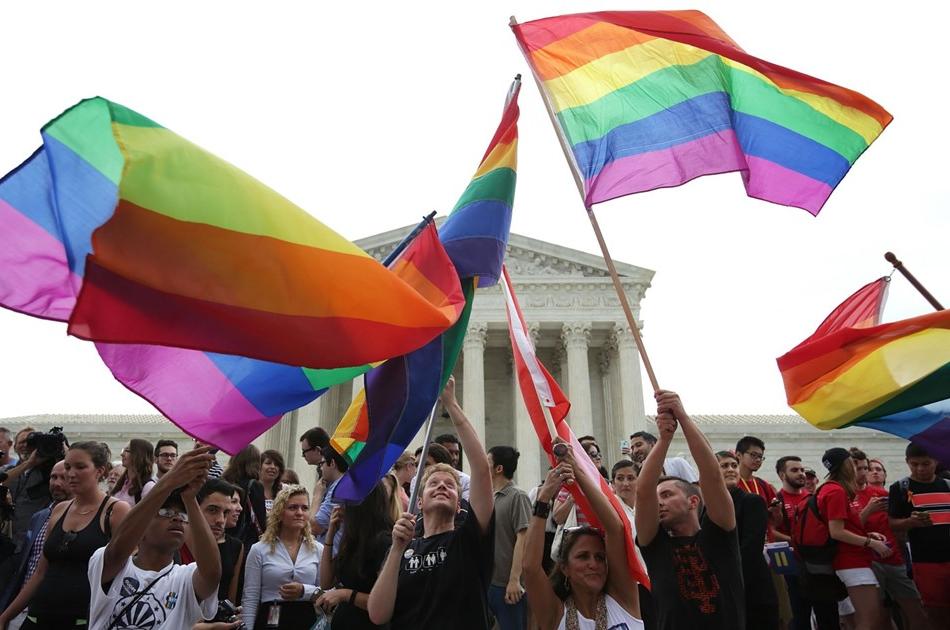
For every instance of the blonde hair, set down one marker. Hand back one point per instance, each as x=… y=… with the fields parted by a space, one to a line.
x=443 y=468
x=395 y=504
x=276 y=515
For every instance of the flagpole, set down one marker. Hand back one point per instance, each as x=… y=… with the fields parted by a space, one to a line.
x=420 y=463
x=891 y=258
x=409 y=237
x=614 y=276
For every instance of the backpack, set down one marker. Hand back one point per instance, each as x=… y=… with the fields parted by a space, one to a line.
x=810 y=536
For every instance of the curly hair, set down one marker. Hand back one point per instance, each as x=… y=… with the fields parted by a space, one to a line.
x=276 y=515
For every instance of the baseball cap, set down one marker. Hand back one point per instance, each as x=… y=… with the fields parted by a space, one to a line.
x=834 y=457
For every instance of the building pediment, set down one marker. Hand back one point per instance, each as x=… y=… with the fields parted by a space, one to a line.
x=531 y=258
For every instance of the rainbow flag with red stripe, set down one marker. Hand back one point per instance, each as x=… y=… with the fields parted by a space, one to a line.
x=204 y=289
x=855 y=371
x=651 y=99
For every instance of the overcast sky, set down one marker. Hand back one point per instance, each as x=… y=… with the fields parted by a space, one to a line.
x=370 y=115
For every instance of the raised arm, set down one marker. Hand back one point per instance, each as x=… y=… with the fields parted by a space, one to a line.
x=327 y=573
x=481 y=495
x=543 y=601
x=716 y=496
x=647 y=514
x=127 y=535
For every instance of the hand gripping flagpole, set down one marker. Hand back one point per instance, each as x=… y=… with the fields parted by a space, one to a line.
x=898 y=265
x=618 y=286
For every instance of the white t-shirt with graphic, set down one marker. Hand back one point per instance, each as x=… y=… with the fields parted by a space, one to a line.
x=170 y=603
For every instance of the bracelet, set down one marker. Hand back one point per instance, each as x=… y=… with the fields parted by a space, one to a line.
x=867 y=541
x=353 y=593
x=541 y=509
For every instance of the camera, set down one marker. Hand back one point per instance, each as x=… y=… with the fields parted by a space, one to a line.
x=227 y=612
x=49 y=446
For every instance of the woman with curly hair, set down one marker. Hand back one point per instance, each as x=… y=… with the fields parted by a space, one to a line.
x=272 y=472
x=281 y=573
x=136 y=480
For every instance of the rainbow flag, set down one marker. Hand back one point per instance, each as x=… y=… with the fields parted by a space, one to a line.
x=891 y=377
x=400 y=394
x=652 y=99
x=133 y=235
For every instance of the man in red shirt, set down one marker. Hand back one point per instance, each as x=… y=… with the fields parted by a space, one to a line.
x=891 y=572
x=792 y=473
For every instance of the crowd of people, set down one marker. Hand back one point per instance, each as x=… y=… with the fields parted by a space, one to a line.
x=163 y=538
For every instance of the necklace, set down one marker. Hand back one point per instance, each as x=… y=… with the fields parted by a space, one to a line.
x=600 y=616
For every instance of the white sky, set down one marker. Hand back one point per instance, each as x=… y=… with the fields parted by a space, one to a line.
x=369 y=115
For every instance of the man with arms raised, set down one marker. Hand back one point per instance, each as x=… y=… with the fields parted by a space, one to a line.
x=135 y=582
x=696 y=572
x=441 y=579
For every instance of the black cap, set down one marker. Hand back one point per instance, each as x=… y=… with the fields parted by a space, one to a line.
x=834 y=457
x=810 y=473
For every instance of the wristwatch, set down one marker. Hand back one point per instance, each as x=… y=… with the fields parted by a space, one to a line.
x=542 y=509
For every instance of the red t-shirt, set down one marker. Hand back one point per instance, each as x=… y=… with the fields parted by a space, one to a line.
x=833 y=504
x=878 y=522
x=790 y=504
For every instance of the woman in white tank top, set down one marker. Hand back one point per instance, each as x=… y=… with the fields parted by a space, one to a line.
x=582 y=593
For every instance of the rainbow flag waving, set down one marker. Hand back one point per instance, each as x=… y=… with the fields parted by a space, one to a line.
x=855 y=371
x=652 y=99
x=400 y=394
x=181 y=267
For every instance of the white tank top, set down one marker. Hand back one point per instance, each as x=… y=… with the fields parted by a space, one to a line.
x=617 y=618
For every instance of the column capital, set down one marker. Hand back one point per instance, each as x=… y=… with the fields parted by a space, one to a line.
x=603 y=360
x=534 y=332
x=476 y=335
x=576 y=334
x=622 y=335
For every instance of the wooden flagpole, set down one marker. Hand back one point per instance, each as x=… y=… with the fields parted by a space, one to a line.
x=618 y=286
x=891 y=258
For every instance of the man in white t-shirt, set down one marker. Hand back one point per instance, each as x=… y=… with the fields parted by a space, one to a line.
x=641 y=443
x=148 y=591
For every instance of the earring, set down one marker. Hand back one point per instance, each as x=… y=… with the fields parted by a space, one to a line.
x=567 y=584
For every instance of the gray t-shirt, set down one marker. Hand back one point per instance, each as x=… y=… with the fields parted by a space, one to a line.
x=512 y=514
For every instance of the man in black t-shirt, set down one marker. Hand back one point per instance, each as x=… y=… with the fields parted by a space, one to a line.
x=441 y=579
x=918 y=506
x=695 y=571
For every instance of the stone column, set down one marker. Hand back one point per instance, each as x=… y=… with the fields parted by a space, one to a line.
x=576 y=337
x=526 y=438
x=473 y=378
x=613 y=424
x=631 y=384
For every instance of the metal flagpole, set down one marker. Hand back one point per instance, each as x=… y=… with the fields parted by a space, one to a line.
x=891 y=258
x=618 y=286
x=409 y=237
x=420 y=464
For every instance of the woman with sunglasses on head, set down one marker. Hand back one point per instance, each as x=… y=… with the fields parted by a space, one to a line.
x=58 y=592
x=282 y=569
x=136 y=479
x=589 y=588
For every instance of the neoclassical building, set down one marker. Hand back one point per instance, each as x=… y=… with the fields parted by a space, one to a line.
x=581 y=336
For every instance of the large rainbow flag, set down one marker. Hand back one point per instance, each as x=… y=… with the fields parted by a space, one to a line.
x=651 y=99
x=855 y=371
x=400 y=394
x=181 y=267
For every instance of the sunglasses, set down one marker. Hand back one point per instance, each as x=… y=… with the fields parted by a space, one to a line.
x=170 y=513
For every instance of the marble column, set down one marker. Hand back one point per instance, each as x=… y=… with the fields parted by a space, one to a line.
x=613 y=425
x=526 y=438
x=576 y=337
x=631 y=383
x=473 y=378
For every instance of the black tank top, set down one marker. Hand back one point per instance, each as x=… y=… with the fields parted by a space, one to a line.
x=65 y=587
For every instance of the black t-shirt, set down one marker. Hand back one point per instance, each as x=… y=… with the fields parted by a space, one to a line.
x=347 y=617
x=927 y=544
x=444 y=579
x=697 y=580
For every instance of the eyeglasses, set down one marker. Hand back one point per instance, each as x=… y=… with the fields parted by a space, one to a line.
x=170 y=513
x=759 y=457
x=594 y=455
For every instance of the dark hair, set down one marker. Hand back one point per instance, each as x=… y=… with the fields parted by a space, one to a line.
x=316 y=437
x=729 y=454
x=507 y=458
x=439 y=454
x=246 y=464
x=857 y=454
x=214 y=486
x=142 y=460
x=174 y=499
x=447 y=438
x=743 y=445
x=649 y=437
x=292 y=476
x=96 y=452
x=162 y=443
x=916 y=450
x=690 y=489
x=624 y=463
x=780 y=462
x=558 y=580
x=330 y=454
x=363 y=526
x=277 y=458
x=587 y=438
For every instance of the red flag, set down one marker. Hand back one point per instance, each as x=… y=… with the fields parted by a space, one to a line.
x=861 y=310
x=543 y=396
